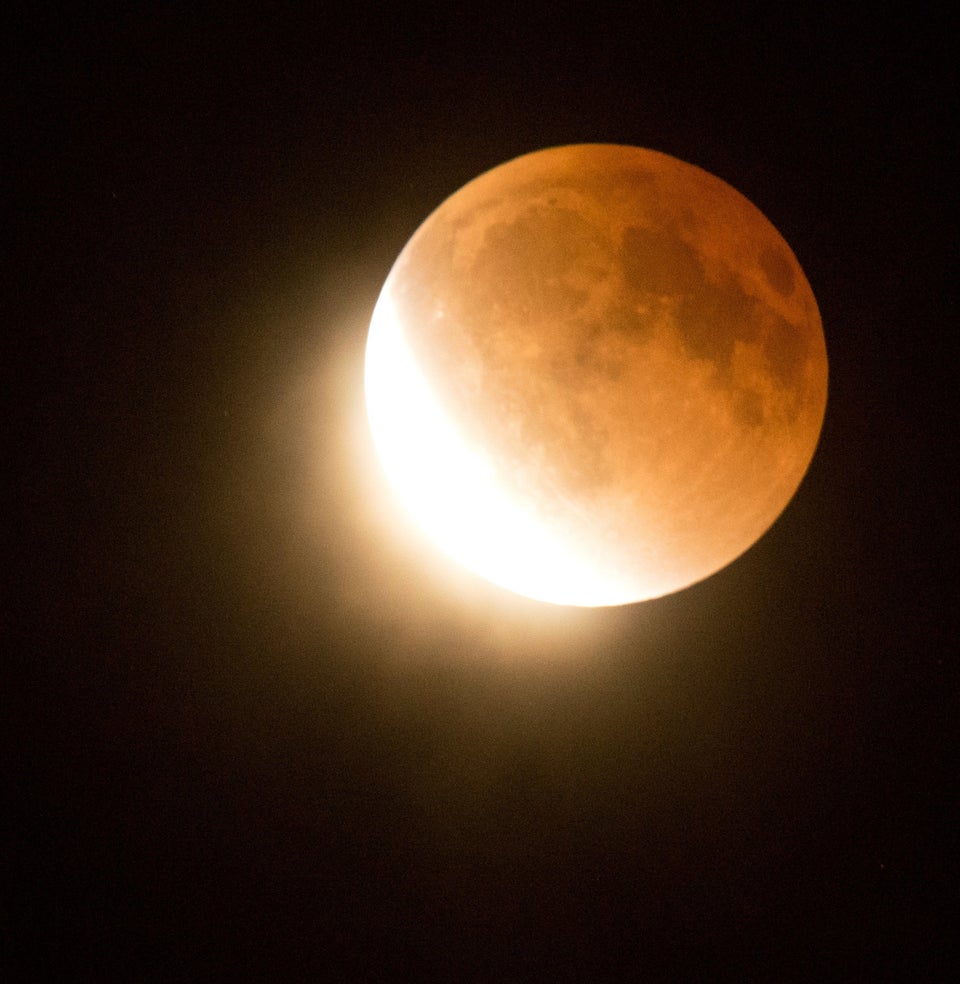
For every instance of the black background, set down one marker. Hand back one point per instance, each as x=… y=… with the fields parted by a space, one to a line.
x=255 y=730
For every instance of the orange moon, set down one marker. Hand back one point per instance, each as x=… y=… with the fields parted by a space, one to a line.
x=595 y=375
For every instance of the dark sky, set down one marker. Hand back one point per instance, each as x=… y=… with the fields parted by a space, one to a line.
x=254 y=732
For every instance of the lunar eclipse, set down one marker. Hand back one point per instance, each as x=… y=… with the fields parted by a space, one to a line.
x=596 y=375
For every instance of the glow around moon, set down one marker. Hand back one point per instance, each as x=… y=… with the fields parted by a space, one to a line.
x=595 y=375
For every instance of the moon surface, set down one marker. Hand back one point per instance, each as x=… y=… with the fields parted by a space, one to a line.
x=595 y=375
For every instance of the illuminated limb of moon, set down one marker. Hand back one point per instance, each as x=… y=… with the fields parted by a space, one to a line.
x=452 y=492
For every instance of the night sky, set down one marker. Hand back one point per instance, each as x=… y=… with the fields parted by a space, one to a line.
x=254 y=729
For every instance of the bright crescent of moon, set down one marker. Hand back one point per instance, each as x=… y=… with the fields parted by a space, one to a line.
x=451 y=490
x=595 y=375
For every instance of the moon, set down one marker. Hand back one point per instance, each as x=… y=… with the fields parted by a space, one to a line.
x=595 y=375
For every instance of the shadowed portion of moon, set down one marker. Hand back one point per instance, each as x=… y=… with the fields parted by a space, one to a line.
x=630 y=343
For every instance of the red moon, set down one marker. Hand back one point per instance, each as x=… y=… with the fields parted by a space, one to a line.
x=596 y=375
